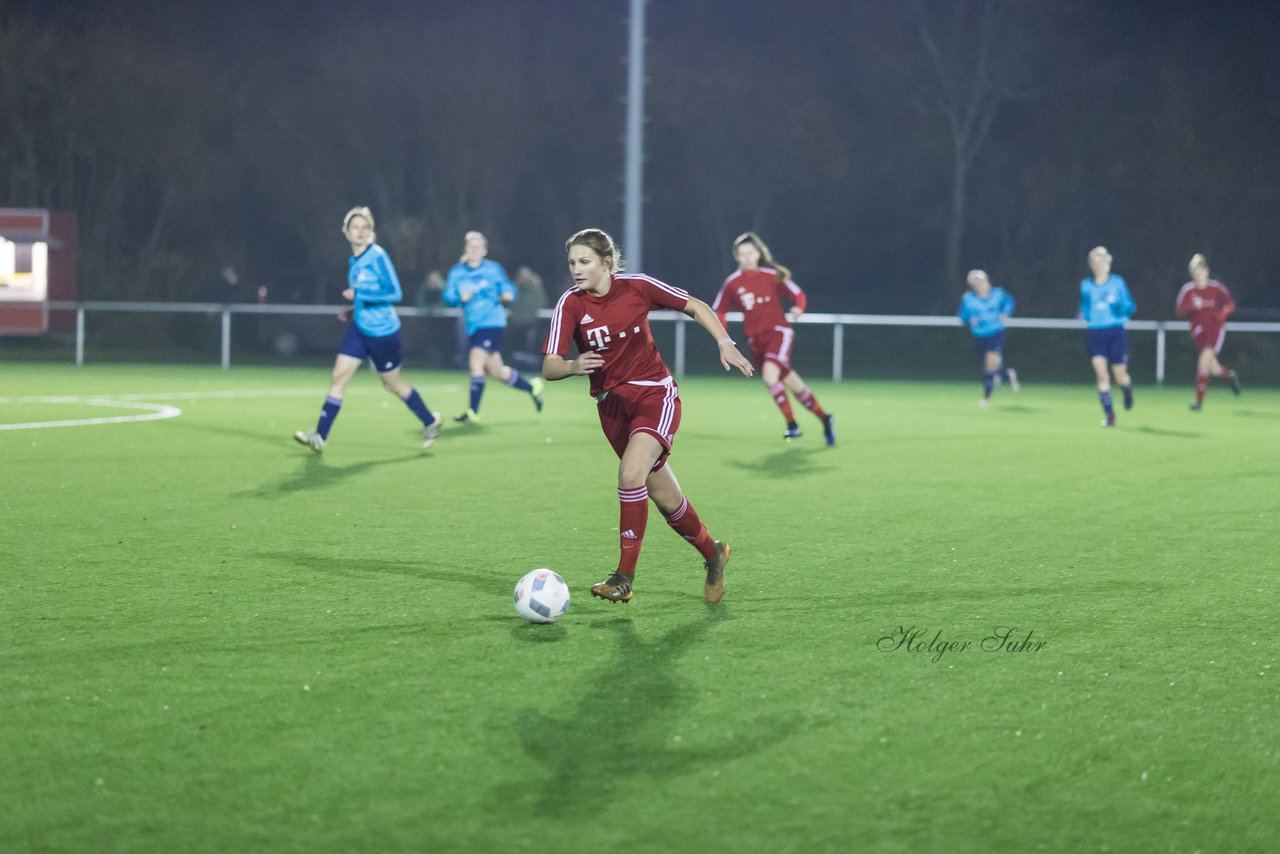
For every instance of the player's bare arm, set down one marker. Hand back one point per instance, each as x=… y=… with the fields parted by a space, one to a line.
x=556 y=367
x=730 y=357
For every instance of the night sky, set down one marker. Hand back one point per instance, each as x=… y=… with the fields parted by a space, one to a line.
x=881 y=148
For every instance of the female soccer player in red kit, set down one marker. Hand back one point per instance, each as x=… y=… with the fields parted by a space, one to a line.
x=757 y=290
x=606 y=314
x=1208 y=303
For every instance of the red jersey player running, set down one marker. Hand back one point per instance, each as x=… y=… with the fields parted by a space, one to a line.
x=1208 y=303
x=606 y=314
x=757 y=290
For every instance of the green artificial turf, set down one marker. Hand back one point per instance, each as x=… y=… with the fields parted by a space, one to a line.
x=212 y=639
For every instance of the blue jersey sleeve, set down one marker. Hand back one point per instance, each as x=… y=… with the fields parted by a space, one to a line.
x=505 y=288
x=387 y=288
x=1084 y=300
x=452 y=295
x=1124 y=306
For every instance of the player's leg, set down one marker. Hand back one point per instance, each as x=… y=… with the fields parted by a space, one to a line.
x=771 y=376
x=397 y=385
x=1118 y=355
x=1103 y=379
x=1205 y=363
x=1218 y=369
x=344 y=368
x=1003 y=371
x=990 y=371
x=795 y=384
x=674 y=506
x=802 y=393
x=477 y=357
x=509 y=375
x=638 y=458
x=1121 y=372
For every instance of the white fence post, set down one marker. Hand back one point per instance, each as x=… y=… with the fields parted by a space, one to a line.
x=79 y=336
x=837 y=352
x=226 y=337
x=680 y=322
x=1159 y=352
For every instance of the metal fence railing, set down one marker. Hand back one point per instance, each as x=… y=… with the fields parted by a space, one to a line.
x=679 y=323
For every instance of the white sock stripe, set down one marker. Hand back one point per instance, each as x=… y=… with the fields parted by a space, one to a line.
x=633 y=495
x=680 y=511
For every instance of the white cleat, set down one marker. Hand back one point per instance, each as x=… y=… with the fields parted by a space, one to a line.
x=311 y=439
x=431 y=432
x=1013 y=381
x=985 y=402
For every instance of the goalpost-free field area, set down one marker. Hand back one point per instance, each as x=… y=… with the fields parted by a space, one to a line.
x=958 y=630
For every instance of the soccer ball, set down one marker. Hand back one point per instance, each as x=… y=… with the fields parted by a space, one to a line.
x=542 y=596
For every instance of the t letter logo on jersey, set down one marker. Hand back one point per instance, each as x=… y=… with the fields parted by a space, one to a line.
x=598 y=336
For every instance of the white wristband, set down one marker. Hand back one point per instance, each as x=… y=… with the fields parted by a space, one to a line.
x=724 y=341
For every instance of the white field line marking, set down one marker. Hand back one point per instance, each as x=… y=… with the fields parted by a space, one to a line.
x=153 y=412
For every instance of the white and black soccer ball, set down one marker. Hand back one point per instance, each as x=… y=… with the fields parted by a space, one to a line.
x=542 y=596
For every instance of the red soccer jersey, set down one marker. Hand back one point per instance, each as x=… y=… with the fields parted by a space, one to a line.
x=1207 y=307
x=616 y=326
x=758 y=295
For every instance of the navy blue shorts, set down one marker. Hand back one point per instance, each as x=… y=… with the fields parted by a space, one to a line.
x=384 y=350
x=489 y=340
x=1112 y=343
x=985 y=344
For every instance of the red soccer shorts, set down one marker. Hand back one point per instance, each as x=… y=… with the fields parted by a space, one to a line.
x=630 y=409
x=773 y=346
x=1208 y=337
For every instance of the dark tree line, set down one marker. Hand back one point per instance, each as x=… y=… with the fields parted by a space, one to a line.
x=882 y=148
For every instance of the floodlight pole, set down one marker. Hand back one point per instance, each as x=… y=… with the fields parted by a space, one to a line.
x=633 y=193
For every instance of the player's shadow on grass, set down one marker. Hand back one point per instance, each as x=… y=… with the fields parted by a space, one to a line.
x=1178 y=434
x=791 y=462
x=1257 y=413
x=315 y=473
x=628 y=724
x=275 y=440
x=356 y=566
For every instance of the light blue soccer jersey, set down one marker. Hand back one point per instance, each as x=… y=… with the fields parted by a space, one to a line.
x=982 y=316
x=373 y=278
x=1105 y=305
x=487 y=284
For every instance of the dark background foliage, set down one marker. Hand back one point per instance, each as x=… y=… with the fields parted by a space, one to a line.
x=882 y=148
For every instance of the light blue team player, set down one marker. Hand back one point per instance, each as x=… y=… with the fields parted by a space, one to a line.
x=483 y=290
x=1106 y=307
x=373 y=332
x=984 y=310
